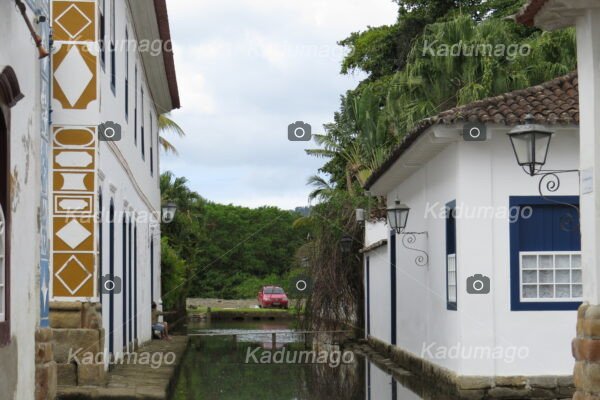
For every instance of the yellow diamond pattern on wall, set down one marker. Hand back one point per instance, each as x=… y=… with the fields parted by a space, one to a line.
x=75 y=54
x=73 y=166
x=74 y=223
x=74 y=21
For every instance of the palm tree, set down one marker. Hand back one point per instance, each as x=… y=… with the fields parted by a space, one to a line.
x=167 y=125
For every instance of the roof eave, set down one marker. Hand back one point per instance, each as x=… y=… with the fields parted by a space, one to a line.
x=152 y=24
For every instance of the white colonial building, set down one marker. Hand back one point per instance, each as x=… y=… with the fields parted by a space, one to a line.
x=79 y=208
x=483 y=284
x=113 y=76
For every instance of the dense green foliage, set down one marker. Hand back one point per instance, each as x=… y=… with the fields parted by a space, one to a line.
x=224 y=251
x=438 y=55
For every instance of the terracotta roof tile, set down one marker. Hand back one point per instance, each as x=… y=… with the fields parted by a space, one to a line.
x=527 y=14
x=554 y=102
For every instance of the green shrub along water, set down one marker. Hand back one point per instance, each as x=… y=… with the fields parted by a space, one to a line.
x=224 y=251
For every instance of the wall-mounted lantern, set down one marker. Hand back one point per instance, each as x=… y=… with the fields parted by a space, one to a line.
x=346 y=244
x=168 y=212
x=398 y=216
x=530 y=142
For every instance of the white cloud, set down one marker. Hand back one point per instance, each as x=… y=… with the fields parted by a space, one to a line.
x=248 y=68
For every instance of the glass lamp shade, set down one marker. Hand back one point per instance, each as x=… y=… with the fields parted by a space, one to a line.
x=530 y=143
x=168 y=212
x=398 y=216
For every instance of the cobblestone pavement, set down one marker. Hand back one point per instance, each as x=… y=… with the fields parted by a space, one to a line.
x=136 y=380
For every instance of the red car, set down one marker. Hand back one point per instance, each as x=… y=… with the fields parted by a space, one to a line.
x=272 y=296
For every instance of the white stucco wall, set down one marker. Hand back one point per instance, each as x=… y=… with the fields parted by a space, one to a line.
x=380 y=383
x=477 y=174
x=375 y=231
x=19 y=52
x=379 y=290
x=126 y=179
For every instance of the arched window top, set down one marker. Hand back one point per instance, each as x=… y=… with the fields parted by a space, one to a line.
x=9 y=86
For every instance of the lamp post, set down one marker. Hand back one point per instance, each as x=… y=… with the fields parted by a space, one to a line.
x=346 y=243
x=398 y=216
x=168 y=212
x=530 y=142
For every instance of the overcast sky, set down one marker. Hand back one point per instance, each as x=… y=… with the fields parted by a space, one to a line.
x=248 y=68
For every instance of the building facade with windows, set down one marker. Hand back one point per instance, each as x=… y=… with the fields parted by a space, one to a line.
x=79 y=184
x=584 y=16
x=483 y=284
x=24 y=245
x=113 y=76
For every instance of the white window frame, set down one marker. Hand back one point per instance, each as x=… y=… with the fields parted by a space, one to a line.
x=554 y=282
x=452 y=287
x=3 y=293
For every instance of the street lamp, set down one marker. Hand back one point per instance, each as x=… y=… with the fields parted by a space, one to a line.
x=397 y=216
x=530 y=143
x=168 y=212
x=346 y=243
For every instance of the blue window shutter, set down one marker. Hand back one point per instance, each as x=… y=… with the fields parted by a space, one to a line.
x=552 y=226
x=451 y=249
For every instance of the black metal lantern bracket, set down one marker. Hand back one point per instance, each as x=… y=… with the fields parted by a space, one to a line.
x=550 y=180
x=409 y=240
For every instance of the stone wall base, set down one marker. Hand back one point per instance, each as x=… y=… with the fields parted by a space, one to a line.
x=77 y=332
x=586 y=350
x=45 y=367
x=479 y=387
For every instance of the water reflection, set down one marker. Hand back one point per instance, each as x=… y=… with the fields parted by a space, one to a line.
x=216 y=368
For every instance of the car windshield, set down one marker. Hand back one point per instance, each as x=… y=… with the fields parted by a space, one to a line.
x=274 y=290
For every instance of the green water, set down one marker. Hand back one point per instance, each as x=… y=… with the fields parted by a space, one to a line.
x=216 y=368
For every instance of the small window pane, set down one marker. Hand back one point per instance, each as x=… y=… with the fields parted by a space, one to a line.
x=563 y=276
x=563 y=261
x=563 y=291
x=546 y=291
x=530 y=292
x=530 y=262
x=546 y=261
x=577 y=291
x=576 y=261
x=530 y=277
x=452 y=293
x=577 y=278
x=547 y=276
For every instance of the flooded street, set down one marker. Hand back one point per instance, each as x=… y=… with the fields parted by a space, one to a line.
x=219 y=367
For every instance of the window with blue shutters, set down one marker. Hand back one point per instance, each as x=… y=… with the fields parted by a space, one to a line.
x=451 y=270
x=545 y=254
